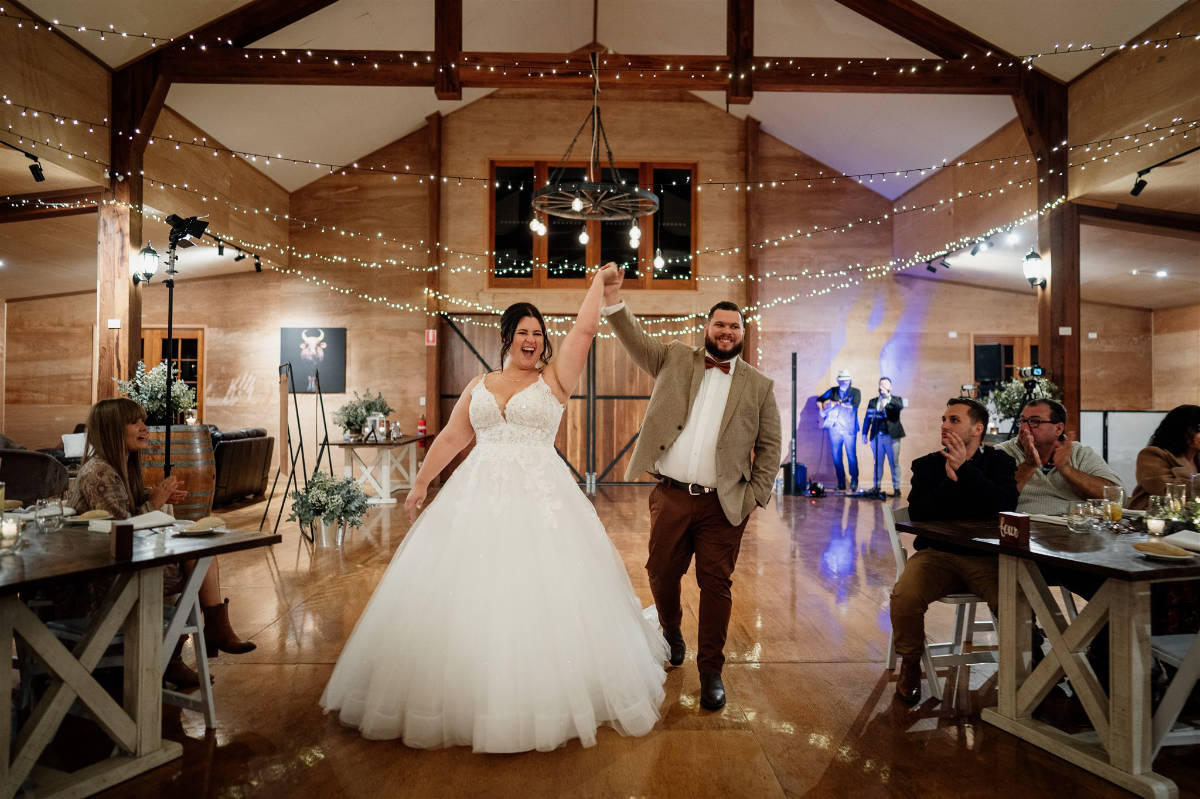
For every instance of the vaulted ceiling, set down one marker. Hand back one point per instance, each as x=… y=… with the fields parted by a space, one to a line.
x=852 y=132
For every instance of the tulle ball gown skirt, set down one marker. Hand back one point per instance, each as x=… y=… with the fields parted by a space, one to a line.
x=505 y=622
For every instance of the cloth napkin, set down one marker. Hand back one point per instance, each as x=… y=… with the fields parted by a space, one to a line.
x=1044 y=519
x=154 y=518
x=1188 y=539
x=28 y=515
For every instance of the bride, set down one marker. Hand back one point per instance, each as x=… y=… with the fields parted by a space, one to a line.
x=506 y=620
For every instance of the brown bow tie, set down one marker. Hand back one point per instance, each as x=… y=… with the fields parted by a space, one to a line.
x=712 y=363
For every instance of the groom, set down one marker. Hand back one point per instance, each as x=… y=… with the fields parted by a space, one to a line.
x=711 y=437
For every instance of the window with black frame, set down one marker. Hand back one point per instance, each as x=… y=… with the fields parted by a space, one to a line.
x=615 y=239
x=513 y=239
x=567 y=239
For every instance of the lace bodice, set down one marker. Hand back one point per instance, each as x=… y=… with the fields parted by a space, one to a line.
x=530 y=418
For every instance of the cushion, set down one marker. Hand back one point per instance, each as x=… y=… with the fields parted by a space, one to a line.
x=73 y=444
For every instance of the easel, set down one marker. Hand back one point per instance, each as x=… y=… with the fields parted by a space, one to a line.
x=294 y=450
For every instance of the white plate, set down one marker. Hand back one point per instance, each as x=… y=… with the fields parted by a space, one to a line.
x=183 y=530
x=1166 y=558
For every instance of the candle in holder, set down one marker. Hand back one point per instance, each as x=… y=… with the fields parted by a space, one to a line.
x=9 y=527
x=1156 y=526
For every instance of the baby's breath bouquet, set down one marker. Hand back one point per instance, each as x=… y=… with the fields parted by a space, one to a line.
x=330 y=499
x=1004 y=402
x=148 y=388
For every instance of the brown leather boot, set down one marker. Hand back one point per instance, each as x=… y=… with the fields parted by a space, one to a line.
x=180 y=674
x=908 y=683
x=219 y=635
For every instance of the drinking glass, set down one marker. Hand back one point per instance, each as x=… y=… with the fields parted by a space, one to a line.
x=1098 y=510
x=1158 y=510
x=10 y=533
x=1195 y=487
x=1176 y=495
x=1079 y=517
x=1115 y=497
x=49 y=514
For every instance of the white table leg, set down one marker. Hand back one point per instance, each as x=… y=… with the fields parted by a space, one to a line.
x=1130 y=740
x=385 y=473
x=348 y=462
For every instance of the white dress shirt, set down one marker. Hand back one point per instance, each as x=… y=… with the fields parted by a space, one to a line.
x=692 y=458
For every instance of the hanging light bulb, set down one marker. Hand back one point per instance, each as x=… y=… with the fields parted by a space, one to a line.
x=659 y=261
x=635 y=232
x=576 y=205
x=541 y=228
x=634 y=243
x=534 y=224
x=583 y=237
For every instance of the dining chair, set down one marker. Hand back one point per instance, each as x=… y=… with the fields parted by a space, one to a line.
x=949 y=653
x=30 y=476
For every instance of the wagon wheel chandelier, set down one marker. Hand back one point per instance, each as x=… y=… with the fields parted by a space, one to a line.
x=588 y=200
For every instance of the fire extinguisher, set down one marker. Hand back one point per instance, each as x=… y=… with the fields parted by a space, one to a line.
x=421 y=430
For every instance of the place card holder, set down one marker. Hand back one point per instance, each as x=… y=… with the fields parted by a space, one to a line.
x=1014 y=530
x=120 y=541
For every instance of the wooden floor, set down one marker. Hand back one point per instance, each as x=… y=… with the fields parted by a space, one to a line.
x=810 y=709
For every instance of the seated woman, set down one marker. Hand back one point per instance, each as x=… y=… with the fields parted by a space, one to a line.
x=110 y=479
x=1172 y=456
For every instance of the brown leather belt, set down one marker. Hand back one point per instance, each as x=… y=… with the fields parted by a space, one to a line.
x=695 y=489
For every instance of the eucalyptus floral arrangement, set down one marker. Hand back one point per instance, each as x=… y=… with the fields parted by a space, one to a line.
x=1006 y=400
x=148 y=388
x=330 y=499
x=353 y=415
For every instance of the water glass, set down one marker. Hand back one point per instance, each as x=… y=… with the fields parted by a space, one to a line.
x=1176 y=495
x=1158 y=510
x=49 y=514
x=1079 y=517
x=1098 y=510
x=1195 y=487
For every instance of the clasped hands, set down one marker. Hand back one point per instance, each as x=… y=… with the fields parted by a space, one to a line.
x=168 y=492
x=954 y=450
x=1060 y=456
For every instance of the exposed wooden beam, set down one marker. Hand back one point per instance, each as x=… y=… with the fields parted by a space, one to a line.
x=433 y=390
x=447 y=48
x=27 y=207
x=924 y=28
x=242 y=26
x=1132 y=217
x=525 y=70
x=753 y=233
x=739 y=47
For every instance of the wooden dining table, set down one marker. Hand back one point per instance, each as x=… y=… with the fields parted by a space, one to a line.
x=1127 y=733
x=393 y=466
x=133 y=605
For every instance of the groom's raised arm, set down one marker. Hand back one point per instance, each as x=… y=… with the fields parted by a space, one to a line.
x=646 y=352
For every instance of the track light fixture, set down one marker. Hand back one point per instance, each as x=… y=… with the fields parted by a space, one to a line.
x=1139 y=182
x=220 y=247
x=241 y=256
x=945 y=264
x=929 y=265
x=257 y=264
x=35 y=169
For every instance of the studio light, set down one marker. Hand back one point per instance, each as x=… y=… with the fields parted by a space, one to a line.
x=184 y=229
x=1034 y=269
x=1139 y=182
x=145 y=265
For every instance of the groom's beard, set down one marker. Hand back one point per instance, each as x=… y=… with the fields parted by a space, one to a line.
x=712 y=349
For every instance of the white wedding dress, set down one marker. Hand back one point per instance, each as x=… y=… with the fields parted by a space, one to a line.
x=506 y=620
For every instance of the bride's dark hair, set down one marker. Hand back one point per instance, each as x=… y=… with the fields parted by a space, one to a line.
x=512 y=317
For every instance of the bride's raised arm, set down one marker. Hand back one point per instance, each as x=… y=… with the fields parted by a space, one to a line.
x=571 y=358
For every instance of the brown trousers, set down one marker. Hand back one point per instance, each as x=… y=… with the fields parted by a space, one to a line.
x=682 y=525
x=928 y=576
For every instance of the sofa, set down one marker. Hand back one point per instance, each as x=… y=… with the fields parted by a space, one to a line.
x=243 y=463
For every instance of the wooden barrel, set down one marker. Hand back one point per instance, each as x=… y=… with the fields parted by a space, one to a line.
x=191 y=463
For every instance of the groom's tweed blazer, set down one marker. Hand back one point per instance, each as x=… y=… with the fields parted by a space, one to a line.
x=750 y=424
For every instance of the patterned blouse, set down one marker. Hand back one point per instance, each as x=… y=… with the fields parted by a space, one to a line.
x=99 y=487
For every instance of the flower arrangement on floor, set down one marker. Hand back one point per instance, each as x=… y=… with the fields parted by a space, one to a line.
x=330 y=499
x=148 y=388
x=1006 y=400
x=352 y=416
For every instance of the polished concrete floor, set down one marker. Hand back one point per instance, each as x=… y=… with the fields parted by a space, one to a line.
x=810 y=709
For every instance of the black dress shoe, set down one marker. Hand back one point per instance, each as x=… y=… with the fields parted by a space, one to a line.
x=712 y=692
x=908 y=684
x=896 y=493
x=674 y=638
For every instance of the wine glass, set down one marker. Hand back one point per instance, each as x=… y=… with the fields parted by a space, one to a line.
x=1158 y=510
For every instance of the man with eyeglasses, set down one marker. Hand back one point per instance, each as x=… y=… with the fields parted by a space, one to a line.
x=1052 y=471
